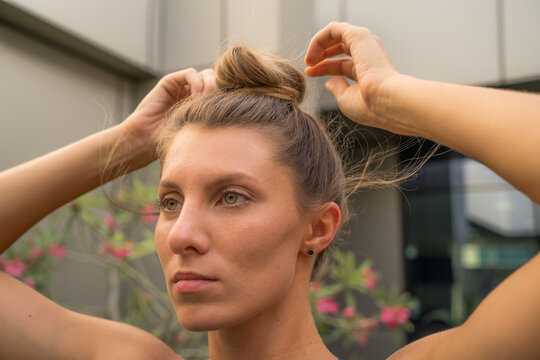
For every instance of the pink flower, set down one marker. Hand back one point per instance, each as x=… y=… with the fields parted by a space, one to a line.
x=181 y=338
x=370 y=280
x=368 y=324
x=119 y=253
x=30 y=281
x=395 y=316
x=327 y=305
x=146 y=296
x=349 y=312
x=403 y=314
x=36 y=252
x=388 y=317
x=108 y=219
x=149 y=217
x=57 y=251
x=14 y=267
x=362 y=338
x=314 y=285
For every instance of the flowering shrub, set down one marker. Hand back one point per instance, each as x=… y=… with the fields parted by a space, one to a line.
x=346 y=283
x=123 y=243
x=33 y=259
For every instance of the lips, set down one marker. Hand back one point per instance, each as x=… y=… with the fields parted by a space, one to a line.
x=190 y=282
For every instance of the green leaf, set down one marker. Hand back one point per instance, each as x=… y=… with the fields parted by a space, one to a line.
x=117 y=239
x=124 y=217
x=143 y=248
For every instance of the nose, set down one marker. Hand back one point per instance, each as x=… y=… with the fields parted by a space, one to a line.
x=189 y=233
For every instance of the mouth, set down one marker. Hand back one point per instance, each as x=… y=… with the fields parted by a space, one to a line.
x=190 y=282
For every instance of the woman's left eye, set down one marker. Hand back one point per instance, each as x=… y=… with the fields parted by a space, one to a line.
x=233 y=198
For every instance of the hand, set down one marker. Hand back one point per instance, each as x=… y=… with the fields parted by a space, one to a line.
x=367 y=64
x=146 y=121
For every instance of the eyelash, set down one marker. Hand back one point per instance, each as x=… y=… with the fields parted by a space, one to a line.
x=161 y=203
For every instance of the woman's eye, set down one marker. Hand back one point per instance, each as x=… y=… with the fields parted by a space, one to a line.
x=170 y=204
x=233 y=198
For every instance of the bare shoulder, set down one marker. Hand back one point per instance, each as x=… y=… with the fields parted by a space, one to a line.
x=428 y=347
x=122 y=341
x=34 y=327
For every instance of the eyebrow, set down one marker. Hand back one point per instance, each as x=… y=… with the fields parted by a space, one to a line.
x=221 y=180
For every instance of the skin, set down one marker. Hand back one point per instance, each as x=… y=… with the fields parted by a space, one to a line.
x=475 y=121
x=254 y=247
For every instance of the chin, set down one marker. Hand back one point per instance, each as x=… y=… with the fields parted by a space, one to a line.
x=199 y=318
x=198 y=326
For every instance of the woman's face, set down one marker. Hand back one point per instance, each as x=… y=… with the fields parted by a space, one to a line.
x=230 y=232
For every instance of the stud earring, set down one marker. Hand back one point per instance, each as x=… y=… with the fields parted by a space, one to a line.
x=310 y=251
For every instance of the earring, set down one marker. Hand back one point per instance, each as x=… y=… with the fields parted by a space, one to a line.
x=310 y=251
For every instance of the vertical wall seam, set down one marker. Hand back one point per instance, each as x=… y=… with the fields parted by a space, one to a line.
x=161 y=49
x=155 y=35
x=223 y=22
x=342 y=10
x=501 y=49
x=150 y=34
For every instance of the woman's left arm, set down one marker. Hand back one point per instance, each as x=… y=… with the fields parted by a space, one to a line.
x=504 y=326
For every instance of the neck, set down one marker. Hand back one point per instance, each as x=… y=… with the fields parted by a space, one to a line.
x=284 y=331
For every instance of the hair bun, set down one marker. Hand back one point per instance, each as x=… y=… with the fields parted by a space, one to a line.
x=243 y=69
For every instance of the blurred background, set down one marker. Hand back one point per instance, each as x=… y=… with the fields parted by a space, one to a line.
x=71 y=68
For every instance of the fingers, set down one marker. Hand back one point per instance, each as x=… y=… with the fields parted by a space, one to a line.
x=335 y=50
x=326 y=42
x=208 y=77
x=337 y=86
x=340 y=66
x=178 y=84
x=194 y=81
x=189 y=81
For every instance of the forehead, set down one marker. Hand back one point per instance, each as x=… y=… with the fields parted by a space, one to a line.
x=201 y=153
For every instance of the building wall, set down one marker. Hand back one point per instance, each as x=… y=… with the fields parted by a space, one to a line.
x=50 y=99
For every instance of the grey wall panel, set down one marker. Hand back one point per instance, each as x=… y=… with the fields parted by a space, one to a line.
x=49 y=99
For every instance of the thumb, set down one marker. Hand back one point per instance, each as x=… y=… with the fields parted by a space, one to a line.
x=337 y=86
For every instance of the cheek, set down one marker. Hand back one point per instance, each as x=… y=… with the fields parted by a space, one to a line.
x=264 y=251
x=160 y=237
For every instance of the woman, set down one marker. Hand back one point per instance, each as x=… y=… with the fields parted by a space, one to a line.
x=228 y=178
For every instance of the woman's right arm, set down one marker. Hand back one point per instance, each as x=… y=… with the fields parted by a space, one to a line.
x=499 y=128
x=32 y=326
x=30 y=191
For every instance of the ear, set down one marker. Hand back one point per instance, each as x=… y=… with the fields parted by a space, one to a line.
x=324 y=226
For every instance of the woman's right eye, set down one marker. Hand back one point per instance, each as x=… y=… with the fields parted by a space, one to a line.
x=170 y=204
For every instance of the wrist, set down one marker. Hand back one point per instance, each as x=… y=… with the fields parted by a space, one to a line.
x=127 y=150
x=389 y=104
